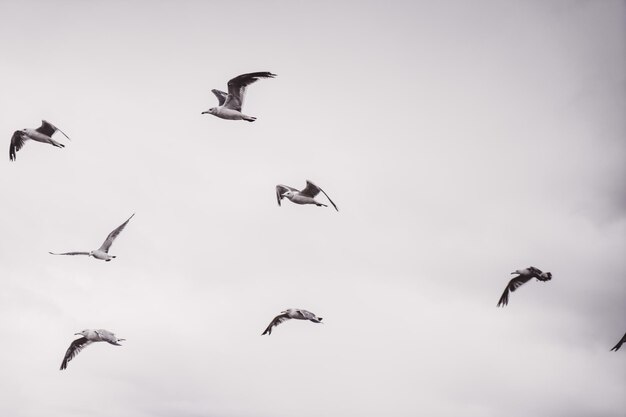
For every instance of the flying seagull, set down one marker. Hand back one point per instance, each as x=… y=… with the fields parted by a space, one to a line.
x=42 y=134
x=89 y=336
x=524 y=275
x=619 y=344
x=306 y=196
x=230 y=103
x=103 y=252
x=292 y=313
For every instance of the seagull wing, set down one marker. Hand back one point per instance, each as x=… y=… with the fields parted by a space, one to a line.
x=277 y=320
x=17 y=141
x=237 y=88
x=311 y=190
x=69 y=253
x=75 y=347
x=280 y=190
x=49 y=129
x=619 y=344
x=221 y=96
x=111 y=237
x=514 y=284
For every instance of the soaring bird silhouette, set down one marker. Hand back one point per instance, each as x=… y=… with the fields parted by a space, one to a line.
x=306 y=196
x=524 y=275
x=42 y=134
x=230 y=103
x=102 y=253
x=292 y=313
x=88 y=337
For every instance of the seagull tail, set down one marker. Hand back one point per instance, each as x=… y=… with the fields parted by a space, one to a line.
x=57 y=144
x=249 y=118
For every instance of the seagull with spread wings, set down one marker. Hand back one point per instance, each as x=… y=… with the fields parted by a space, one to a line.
x=619 y=344
x=101 y=253
x=524 y=275
x=42 y=134
x=88 y=337
x=306 y=196
x=292 y=313
x=230 y=103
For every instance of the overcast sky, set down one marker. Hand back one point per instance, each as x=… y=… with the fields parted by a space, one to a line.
x=460 y=140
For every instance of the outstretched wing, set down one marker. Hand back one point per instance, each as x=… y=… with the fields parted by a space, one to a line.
x=281 y=189
x=48 y=129
x=277 y=320
x=221 y=96
x=311 y=190
x=69 y=253
x=109 y=240
x=75 y=347
x=619 y=344
x=17 y=141
x=514 y=284
x=237 y=88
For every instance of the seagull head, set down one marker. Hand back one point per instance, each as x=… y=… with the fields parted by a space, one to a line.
x=212 y=110
x=91 y=253
x=547 y=276
x=288 y=194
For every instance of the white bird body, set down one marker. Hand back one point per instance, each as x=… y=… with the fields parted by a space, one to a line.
x=89 y=336
x=229 y=114
x=102 y=253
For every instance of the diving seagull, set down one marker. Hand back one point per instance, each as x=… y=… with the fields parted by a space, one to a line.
x=619 y=344
x=306 y=196
x=230 y=103
x=292 y=313
x=103 y=252
x=89 y=336
x=42 y=134
x=524 y=275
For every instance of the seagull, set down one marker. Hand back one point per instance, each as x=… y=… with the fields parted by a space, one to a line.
x=619 y=344
x=103 y=252
x=524 y=275
x=42 y=134
x=89 y=336
x=306 y=196
x=292 y=313
x=230 y=103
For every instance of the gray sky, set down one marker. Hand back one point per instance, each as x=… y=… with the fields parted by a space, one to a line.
x=460 y=141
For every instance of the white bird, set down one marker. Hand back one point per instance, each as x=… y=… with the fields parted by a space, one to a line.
x=101 y=253
x=42 y=134
x=619 y=344
x=292 y=313
x=230 y=103
x=306 y=196
x=89 y=336
x=524 y=275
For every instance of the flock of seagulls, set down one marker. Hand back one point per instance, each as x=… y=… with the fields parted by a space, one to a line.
x=229 y=108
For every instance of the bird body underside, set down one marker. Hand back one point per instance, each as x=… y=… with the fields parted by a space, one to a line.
x=302 y=199
x=103 y=256
x=230 y=114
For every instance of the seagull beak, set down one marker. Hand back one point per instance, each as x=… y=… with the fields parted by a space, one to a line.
x=204 y=112
x=78 y=334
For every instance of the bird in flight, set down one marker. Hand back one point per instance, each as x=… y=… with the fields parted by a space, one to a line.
x=88 y=337
x=292 y=313
x=619 y=344
x=230 y=103
x=102 y=253
x=306 y=196
x=42 y=134
x=524 y=275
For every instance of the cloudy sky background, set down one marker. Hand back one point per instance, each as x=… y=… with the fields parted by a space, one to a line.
x=460 y=141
